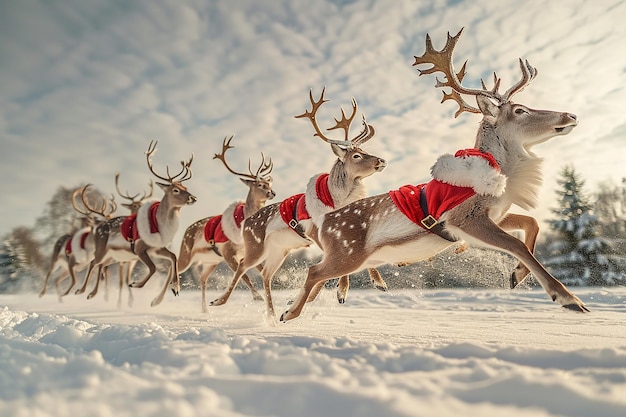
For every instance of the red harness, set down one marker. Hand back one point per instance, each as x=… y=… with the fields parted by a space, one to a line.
x=440 y=196
x=129 y=229
x=68 y=245
x=293 y=209
x=213 y=231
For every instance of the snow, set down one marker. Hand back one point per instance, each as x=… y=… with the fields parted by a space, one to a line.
x=458 y=352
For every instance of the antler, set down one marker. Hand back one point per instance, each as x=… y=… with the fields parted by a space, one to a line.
x=345 y=122
x=442 y=62
x=107 y=209
x=261 y=173
x=74 y=194
x=184 y=174
x=127 y=196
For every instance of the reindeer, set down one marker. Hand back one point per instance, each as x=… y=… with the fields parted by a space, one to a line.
x=133 y=205
x=416 y=222
x=125 y=268
x=74 y=251
x=150 y=230
x=277 y=229
x=214 y=239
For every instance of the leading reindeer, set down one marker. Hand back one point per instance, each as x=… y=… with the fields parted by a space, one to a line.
x=468 y=199
x=211 y=240
x=276 y=230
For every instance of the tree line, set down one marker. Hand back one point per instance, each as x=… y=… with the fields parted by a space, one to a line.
x=584 y=244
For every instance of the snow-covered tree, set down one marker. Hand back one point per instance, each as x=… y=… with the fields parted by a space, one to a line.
x=610 y=207
x=578 y=255
x=20 y=262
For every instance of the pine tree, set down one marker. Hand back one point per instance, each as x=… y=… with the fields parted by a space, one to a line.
x=578 y=256
x=20 y=262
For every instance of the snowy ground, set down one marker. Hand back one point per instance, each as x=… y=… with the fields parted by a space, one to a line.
x=486 y=352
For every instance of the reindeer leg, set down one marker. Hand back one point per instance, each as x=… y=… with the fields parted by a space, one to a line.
x=71 y=263
x=57 y=283
x=53 y=268
x=231 y=260
x=271 y=265
x=342 y=290
x=317 y=276
x=252 y=258
x=531 y=229
x=82 y=289
x=101 y=272
x=120 y=273
x=207 y=270
x=377 y=279
x=129 y=271
x=485 y=230
x=142 y=253
x=171 y=274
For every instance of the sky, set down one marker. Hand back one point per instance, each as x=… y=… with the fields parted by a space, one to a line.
x=420 y=353
x=86 y=85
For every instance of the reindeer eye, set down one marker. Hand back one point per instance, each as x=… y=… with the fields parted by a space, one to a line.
x=356 y=156
x=175 y=191
x=520 y=110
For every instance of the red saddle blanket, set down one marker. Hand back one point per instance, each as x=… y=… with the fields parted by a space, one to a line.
x=129 y=229
x=288 y=205
x=213 y=231
x=68 y=244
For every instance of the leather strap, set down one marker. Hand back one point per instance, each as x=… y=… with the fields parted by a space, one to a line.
x=294 y=223
x=430 y=223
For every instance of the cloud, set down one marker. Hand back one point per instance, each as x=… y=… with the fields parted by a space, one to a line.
x=87 y=85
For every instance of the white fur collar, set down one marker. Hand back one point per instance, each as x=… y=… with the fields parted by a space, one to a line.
x=160 y=239
x=469 y=171
x=314 y=205
x=81 y=254
x=229 y=226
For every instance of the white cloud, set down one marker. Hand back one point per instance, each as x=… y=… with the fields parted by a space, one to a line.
x=86 y=87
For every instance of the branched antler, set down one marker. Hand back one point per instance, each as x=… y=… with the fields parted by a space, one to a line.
x=344 y=123
x=442 y=62
x=261 y=173
x=183 y=175
x=107 y=207
x=133 y=204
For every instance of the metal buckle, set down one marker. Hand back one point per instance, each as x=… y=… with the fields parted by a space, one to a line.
x=293 y=223
x=212 y=242
x=429 y=222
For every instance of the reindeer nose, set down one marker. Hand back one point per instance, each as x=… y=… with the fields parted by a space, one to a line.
x=191 y=199
x=572 y=116
x=381 y=164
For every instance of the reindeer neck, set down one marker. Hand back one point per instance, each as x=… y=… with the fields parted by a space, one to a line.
x=344 y=188
x=167 y=213
x=521 y=167
x=253 y=204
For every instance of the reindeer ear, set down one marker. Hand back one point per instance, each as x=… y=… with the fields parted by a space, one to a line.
x=339 y=151
x=487 y=106
x=247 y=182
x=164 y=187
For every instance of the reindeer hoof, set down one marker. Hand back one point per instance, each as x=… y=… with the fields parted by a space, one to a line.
x=90 y=296
x=341 y=300
x=513 y=280
x=175 y=292
x=578 y=308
